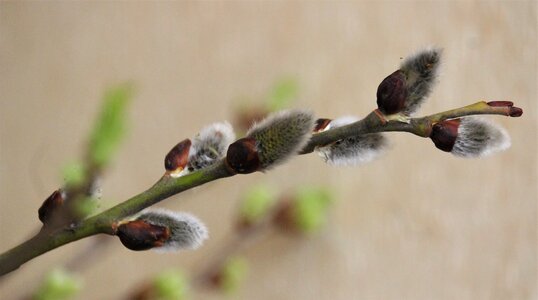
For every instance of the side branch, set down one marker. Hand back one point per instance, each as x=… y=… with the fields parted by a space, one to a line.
x=376 y=122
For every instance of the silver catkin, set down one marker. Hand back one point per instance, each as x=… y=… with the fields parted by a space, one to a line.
x=479 y=137
x=421 y=71
x=186 y=230
x=210 y=145
x=355 y=150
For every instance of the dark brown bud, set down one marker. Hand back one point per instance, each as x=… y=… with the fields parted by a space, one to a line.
x=515 y=112
x=501 y=103
x=242 y=156
x=176 y=160
x=321 y=124
x=51 y=205
x=139 y=235
x=392 y=93
x=444 y=134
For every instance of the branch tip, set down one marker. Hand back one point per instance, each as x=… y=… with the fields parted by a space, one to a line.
x=515 y=112
x=500 y=103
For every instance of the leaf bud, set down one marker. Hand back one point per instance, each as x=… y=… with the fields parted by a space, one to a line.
x=51 y=205
x=445 y=133
x=392 y=93
x=242 y=156
x=176 y=160
x=322 y=125
x=140 y=235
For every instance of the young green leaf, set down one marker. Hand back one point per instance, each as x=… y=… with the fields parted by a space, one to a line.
x=171 y=285
x=310 y=209
x=283 y=94
x=110 y=129
x=58 y=285
x=232 y=274
x=256 y=203
x=74 y=174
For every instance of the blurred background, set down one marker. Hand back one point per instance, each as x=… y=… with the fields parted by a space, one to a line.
x=417 y=223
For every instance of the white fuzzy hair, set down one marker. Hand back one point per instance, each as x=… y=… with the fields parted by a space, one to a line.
x=221 y=133
x=186 y=230
x=421 y=76
x=210 y=145
x=343 y=121
x=352 y=151
x=478 y=137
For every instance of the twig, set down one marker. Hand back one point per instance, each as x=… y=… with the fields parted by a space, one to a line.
x=168 y=186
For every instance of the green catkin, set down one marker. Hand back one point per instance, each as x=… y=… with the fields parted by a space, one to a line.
x=281 y=135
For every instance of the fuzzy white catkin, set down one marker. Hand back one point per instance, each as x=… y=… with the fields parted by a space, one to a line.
x=186 y=230
x=421 y=70
x=210 y=145
x=352 y=151
x=478 y=137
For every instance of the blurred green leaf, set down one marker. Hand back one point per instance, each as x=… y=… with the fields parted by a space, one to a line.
x=58 y=285
x=256 y=203
x=282 y=94
x=85 y=206
x=310 y=208
x=171 y=285
x=74 y=174
x=110 y=127
x=233 y=273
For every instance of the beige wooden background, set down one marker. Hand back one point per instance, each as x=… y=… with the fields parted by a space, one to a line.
x=416 y=224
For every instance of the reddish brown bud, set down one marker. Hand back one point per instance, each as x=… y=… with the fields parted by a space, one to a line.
x=50 y=206
x=444 y=134
x=139 y=235
x=283 y=218
x=392 y=93
x=515 y=112
x=242 y=156
x=501 y=103
x=215 y=279
x=321 y=124
x=176 y=160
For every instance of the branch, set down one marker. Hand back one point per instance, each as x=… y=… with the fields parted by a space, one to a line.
x=168 y=186
x=377 y=122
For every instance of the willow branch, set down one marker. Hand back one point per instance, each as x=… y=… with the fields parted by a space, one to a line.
x=376 y=122
x=105 y=222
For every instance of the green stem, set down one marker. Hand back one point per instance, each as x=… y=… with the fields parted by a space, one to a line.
x=41 y=243
x=104 y=222
x=168 y=186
